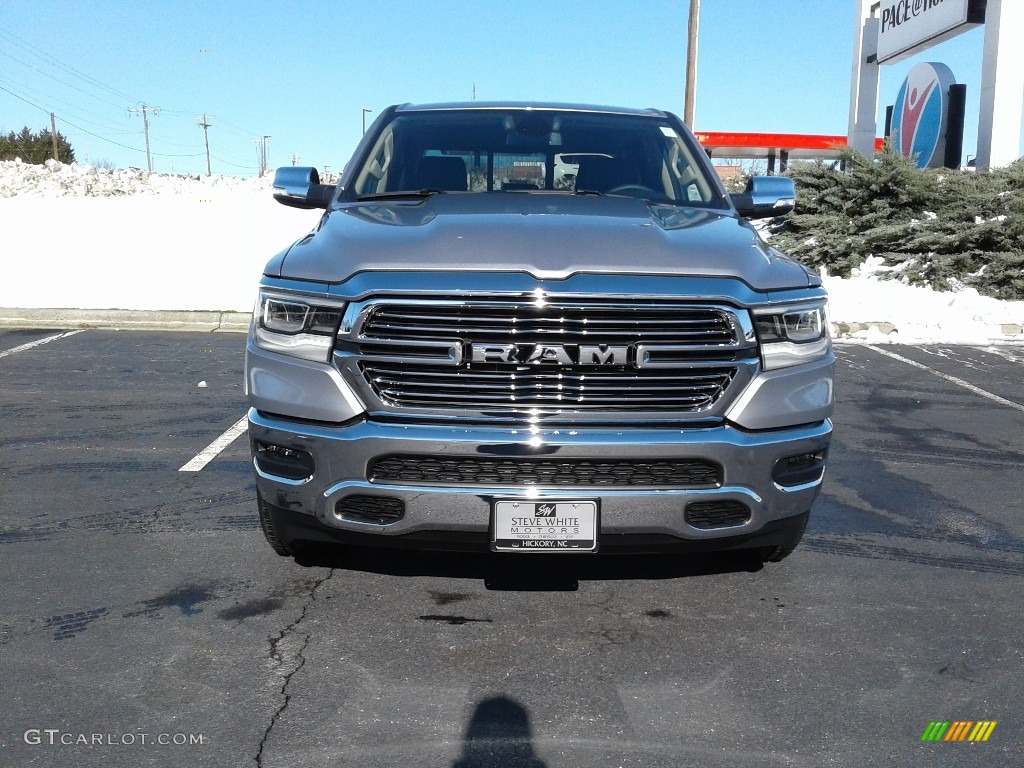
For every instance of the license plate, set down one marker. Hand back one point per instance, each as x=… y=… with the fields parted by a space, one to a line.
x=544 y=526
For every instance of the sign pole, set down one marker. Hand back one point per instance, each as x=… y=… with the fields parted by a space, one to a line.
x=1002 y=85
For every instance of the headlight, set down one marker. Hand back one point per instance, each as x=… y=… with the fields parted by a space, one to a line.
x=792 y=335
x=297 y=326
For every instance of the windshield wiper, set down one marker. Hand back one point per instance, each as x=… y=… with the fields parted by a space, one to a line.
x=404 y=194
x=593 y=192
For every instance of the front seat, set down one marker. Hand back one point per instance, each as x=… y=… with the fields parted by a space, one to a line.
x=601 y=174
x=438 y=172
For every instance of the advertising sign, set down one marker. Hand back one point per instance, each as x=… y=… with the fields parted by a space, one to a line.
x=919 y=115
x=908 y=26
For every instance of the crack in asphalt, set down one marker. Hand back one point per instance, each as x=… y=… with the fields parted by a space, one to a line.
x=158 y=511
x=288 y=661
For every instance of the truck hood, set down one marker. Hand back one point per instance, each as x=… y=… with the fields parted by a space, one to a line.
x=549 y=236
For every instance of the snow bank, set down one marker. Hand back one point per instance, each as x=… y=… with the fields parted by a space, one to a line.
x=53 y=179
x=902 y=313
x=78 y=237
x=83 y=238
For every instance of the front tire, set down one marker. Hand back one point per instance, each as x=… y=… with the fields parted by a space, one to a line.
x=781 y=551
x=275 y=537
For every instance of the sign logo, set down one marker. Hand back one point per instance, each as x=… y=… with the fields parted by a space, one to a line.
x=550 y=354
x=919 y=115
x=545 y=510
x=958 y=730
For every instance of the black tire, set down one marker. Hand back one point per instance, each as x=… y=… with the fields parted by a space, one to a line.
x=780 y=552
x=284 y=547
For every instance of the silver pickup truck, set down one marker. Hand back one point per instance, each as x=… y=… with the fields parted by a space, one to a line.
x=537 y=328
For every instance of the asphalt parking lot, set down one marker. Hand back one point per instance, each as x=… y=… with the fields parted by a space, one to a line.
x=145 y=622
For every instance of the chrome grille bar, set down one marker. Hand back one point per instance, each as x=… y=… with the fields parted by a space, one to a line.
x=613 y=390
x=568 y=323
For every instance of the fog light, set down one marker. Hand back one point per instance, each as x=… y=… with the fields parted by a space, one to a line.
x=281 y=461
x=800 y=469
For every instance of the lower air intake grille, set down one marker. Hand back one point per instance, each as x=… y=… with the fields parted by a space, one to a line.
x=717 y=514
x=417 y=470
x=371 y=509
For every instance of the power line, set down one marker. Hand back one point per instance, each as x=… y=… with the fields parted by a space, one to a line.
x=46 y=60
x=23 y=99
x=163 y=140
x=83 y=130
x=149 y=153
x=240 y=129
x=53 y=61
x=96 y=135
x=72 y=107
x=125 y=146
x=234 y=165
x=57 y=79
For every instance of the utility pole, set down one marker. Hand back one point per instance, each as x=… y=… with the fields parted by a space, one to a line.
x=204 y=123
x=53 y=134
x=295 y=159
x=145 y=109
x=261 y=152
x=691 y=64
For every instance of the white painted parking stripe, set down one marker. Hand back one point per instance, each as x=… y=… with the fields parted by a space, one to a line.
x=38 y=342
x=210 y=452
x=952 y=379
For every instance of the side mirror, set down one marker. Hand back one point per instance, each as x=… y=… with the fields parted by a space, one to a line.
x=766 y=196
x=301 y=188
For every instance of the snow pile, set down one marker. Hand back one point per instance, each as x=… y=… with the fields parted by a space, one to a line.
x=153 y=242
x=53 y=179
x=900 y=313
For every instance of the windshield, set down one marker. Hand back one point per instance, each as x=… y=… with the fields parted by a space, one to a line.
x=535 y=151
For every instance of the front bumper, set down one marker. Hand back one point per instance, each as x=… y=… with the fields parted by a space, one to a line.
x=342 y=455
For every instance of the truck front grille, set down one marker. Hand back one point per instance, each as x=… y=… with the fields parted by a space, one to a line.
x=472 y=470
x=510 y=359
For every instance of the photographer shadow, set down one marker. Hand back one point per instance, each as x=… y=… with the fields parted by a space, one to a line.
x=498 y=736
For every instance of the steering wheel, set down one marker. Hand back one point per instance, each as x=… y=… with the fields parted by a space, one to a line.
x=635 y=190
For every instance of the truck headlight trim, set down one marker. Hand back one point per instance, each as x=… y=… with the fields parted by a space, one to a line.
x=792 y=335
x=297 y=326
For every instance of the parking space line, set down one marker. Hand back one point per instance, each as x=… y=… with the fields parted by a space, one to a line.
x=38 y=342
x=951 y=379
x=210 y=452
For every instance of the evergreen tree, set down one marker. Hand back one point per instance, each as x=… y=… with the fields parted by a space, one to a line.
x=35 y=148
x=943 y=228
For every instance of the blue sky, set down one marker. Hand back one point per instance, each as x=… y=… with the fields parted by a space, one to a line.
x=302 y=72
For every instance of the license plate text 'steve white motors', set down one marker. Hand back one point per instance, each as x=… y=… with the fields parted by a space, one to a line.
x=519 y=525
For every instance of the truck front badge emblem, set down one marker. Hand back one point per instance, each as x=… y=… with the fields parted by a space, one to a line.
x=550 y=354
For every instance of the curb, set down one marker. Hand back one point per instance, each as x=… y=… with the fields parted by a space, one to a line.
x=127 y=319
